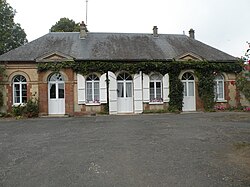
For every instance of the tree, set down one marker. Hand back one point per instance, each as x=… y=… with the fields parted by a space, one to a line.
x=65 y=25
x=243 y=80
x=12 y=35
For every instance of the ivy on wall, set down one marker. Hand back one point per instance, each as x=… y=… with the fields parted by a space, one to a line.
x=243 y=79
x=2 y=74
x=204 y=71
x=206 y=87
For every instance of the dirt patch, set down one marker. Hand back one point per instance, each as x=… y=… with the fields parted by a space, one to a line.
x=240 y=156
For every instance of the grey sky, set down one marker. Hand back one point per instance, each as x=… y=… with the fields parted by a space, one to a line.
x=223 y=24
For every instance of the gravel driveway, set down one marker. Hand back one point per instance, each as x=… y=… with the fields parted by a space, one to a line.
x=191 y=149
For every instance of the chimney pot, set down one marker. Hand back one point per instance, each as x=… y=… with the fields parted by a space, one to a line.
x=83 y=30
x=155 y=31
x=191 y=33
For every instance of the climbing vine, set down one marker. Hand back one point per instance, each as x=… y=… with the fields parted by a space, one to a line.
x=203 y=69
x=175 y=90
x=2 y=74
x=243 y=79
x=206 y=88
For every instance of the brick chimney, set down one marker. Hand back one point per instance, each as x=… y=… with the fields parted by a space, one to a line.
x=191 y=33
x=155 y=31
x=83 y=30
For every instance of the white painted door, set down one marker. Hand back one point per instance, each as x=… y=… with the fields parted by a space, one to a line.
x=124 y=93
x=189 y=103
x=56 y=91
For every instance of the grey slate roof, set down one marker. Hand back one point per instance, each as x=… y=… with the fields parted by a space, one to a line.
x=115 y=46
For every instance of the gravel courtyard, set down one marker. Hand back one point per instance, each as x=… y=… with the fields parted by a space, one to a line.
x=191 y=149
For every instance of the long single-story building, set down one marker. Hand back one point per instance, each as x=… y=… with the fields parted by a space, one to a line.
x=44 y=69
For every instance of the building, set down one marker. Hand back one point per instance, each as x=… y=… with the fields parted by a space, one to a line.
x=46 y=69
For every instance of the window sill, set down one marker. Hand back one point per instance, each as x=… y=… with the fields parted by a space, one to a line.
x=93 y=104
x=221 y=101
x=155 y=103
x=19 y=104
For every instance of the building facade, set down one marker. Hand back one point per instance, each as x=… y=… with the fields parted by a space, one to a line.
x=67 y=91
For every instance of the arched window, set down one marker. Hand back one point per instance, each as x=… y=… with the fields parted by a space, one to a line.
x=93 y=89
x=124 y=85
x=56 y=77
x=19 y=90
x=188 y=83
x=155 y=88
x=124 y=76
x=219 y=88
x=56 y=86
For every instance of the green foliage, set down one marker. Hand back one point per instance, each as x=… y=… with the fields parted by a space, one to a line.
x=243 y=79
x=18 y=110
x=204 y=71
x=1 y=98
x=12 y=35
x=2 y=71
x=206 y=88
x=175 y=89
x=243 y=84
x=65 y=25
x=30 y=109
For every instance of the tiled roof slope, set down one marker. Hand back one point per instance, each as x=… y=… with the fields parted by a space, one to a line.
x=115 y=46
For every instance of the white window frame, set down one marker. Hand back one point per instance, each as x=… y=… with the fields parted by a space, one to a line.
x=93 y=80
x=219 y=79
x=155 y=78
x=22 y=81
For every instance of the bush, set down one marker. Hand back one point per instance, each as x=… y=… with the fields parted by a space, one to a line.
x=30 y=109
x=18 y=110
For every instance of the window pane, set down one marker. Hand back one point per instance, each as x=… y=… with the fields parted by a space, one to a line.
x=185 y=89
x=56 y=77
x=52 y=91
x=158 y=84
x=17 y=90
x=152 y=91
x=128 y=89
x=24 y=99
x=96 y=91
x=61 y=91
x=24 y=87
x=24 y=93
x=190 y=89
x=158 y=93
x=17 y=99
x=220 y=90
x=89 y=91
x=120 y=91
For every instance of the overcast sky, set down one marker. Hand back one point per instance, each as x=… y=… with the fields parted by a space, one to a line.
x=223 y=24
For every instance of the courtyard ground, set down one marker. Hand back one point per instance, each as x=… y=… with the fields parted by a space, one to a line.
x=190 y=149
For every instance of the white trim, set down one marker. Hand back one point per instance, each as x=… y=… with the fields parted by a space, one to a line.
x=155 y=81
x=20 y=83
x=156 y=103
x=80 y=89
x=217 y=88
x=221 y=101
x=92 y=82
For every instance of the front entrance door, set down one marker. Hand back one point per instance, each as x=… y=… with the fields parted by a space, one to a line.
x=56 y=94
x=124 y=93
x=189 y=103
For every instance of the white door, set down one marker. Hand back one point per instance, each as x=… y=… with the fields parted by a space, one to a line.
x=124 y=93
x=189 y=103
x=56 y=100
